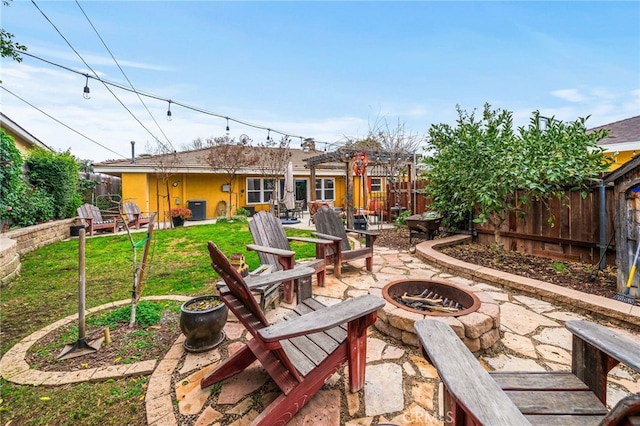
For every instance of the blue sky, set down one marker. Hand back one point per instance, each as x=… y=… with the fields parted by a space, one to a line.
x=326 y=70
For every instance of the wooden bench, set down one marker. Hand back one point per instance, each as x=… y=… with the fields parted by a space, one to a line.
x=473 y=396
x=91 y=218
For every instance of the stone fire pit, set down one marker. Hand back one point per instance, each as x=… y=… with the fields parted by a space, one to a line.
x=477 y=324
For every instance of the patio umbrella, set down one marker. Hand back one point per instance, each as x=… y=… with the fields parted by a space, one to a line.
x=289 y=197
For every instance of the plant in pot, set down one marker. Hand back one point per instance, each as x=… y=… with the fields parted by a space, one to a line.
x=179 y=215
x=201 y=321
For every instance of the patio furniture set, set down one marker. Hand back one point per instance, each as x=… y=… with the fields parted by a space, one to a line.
x=303 y=351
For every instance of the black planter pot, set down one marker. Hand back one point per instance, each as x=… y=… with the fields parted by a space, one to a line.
x=177 y=221
x=202 y=328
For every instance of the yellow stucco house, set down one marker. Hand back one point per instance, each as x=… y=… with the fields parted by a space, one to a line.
x=186 y=179
x=623 y=142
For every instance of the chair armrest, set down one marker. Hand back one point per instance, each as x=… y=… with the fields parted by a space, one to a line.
x=471 y=387
x=88 y=219
x=364 y=232
x=322 y=319
x=298 y=272
x=310 y=240
x=262 y=269
x=271 y=250
x=332 y=238
x=616 y=346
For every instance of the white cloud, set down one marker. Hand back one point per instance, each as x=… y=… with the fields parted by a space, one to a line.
x=571 y=95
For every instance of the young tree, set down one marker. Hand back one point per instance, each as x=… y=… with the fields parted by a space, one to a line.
x=483 y=163
x=397 y=146
x=229 y=156
x=272 y=161
x=165 y=162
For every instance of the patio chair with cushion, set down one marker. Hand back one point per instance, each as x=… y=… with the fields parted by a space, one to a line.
x=134 y=216
x=92 y=219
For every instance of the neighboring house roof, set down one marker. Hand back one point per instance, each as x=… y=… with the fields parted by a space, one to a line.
x=23 y=139
x=622 y=170
x=624 y=135
x=195 y=162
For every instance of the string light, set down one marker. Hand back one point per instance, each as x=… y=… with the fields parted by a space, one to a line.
x=87 y=92
x=268 y=135
x=149 y=95
x=227 y=126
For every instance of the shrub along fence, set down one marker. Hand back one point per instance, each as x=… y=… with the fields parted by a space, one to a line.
x=573 y=234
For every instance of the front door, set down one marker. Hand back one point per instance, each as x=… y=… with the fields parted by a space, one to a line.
x=301 y=191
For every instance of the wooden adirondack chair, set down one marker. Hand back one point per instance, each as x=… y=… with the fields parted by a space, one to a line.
x=301 y=352
x=91 y=218
x=134 y=215
x=272 y=245
x=474 y=396
x=330 y=227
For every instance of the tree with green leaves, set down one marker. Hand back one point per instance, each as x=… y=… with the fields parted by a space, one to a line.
x=483 y=163
x=8 y=47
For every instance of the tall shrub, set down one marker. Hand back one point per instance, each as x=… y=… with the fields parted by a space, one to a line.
x=482 y=163
x=11 y=180
x=56 y=174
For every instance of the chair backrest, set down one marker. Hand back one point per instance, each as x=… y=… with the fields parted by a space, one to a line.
x=90 y=211
x=329 y=222
x=267 y=230
x=131 y=209
x=238 y=288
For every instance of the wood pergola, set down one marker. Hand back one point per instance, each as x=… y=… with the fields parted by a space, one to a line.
x=351 y=159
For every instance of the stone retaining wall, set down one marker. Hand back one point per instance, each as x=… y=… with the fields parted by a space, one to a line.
x=23 y=240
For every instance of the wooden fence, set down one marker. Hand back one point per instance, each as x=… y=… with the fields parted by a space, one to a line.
x=572 y=234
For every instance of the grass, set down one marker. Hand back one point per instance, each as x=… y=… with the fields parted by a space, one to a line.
x=47 y=290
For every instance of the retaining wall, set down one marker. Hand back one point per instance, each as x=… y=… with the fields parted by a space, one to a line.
x=17 y=242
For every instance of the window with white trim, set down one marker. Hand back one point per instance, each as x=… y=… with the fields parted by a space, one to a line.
x=325 y=189
x=259 y=190
x=376 y=184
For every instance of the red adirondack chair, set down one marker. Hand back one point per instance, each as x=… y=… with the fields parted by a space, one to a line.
x=300 y=353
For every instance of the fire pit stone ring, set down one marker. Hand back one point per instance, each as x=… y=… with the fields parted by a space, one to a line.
x=477 y=322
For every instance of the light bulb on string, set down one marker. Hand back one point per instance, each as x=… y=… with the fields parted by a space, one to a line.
x=87 y=92
x=227 y=129
x=169 y=111
x=268 y=135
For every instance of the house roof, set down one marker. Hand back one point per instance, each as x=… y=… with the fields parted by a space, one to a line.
x=624 y=135
x=18 y=132
x=194 y=161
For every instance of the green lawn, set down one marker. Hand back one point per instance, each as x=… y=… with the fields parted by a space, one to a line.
x=47 y=290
